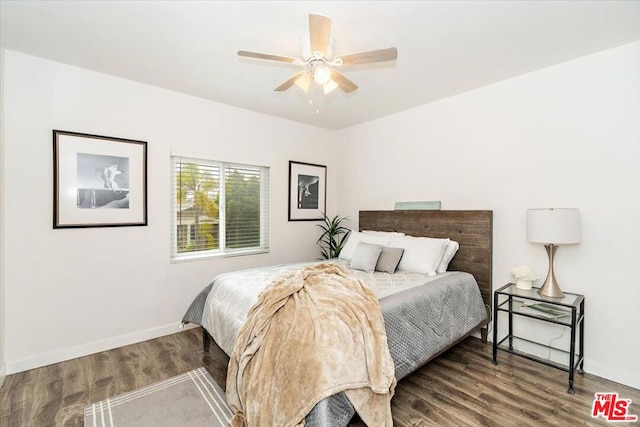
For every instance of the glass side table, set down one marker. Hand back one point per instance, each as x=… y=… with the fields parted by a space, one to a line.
x=567 y=311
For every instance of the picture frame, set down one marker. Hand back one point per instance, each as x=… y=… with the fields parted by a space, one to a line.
x=307 y=191
x=99 y=181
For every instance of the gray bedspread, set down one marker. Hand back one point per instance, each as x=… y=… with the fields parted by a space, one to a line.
x=420 y=323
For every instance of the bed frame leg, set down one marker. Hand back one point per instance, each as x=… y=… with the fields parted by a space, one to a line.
x=484 y=333
x=206 y=340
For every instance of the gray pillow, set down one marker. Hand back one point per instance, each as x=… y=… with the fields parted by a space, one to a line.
x=365 y=257
x=389 y=259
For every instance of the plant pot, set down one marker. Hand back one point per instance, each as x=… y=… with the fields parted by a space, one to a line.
x=524 y=284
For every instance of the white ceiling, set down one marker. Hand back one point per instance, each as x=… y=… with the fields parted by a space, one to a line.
x=444 y=47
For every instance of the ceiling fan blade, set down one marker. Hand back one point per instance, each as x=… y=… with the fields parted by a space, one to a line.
x=286 y=85
x=343 y=83
x=379 y=55
x=267 y=56
x=319 y=33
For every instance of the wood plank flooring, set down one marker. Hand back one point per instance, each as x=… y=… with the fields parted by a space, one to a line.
x=460 y=388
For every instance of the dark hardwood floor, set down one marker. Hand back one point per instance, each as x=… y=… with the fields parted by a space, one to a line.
x=460 y=388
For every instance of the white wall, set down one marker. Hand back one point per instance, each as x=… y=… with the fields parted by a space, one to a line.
x=63 y=299
x=565 y=136
x=3 y=368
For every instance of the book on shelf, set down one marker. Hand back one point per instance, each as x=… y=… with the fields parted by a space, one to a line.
x=545 y=310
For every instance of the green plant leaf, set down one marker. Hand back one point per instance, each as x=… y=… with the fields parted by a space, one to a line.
x=333 y=236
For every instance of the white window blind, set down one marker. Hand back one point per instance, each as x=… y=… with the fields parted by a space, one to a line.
x=218 y=208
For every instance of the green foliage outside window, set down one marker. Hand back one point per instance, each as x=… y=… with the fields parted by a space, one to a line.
x=214 y=198
x=242 y=220
x=197 y=190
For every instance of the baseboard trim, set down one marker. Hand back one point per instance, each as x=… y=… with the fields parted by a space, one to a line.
x=13 y=367
x=612 y=374
x=8 y=368
x=605 y=371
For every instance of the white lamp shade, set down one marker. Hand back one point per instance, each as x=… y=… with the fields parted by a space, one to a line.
x=560 y=226
x=330 y=87
x=303 y=82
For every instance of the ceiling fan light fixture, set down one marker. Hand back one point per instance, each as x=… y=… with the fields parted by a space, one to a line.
x=304 y=82
x=321 y=74
x=329 y=87
x=317 y=48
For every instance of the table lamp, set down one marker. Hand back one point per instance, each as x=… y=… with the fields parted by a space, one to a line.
x=553 y=227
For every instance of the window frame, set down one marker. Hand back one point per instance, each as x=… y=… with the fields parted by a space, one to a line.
x=222 y=251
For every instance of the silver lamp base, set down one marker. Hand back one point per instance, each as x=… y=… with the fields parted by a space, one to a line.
x=550 y=287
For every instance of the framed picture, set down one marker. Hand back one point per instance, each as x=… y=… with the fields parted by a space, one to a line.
x=307 y=191
x=99 y=181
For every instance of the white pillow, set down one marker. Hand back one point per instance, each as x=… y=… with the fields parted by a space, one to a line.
x=355 y=237
x=449 y=253
x=421 y=254
x=365 y=257
x=383 y=233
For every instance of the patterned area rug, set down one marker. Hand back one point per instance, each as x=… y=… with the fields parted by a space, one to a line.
x=188 y=400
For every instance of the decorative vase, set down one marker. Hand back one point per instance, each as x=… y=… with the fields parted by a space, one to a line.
x=524 y=284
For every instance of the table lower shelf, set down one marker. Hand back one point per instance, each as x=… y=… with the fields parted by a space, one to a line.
x=515 y=340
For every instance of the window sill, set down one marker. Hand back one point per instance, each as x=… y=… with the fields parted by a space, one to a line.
x=204 y=256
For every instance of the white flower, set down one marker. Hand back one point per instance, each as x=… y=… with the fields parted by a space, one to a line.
x=523 y=272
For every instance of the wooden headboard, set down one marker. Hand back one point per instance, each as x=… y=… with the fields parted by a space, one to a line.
x=472 y=229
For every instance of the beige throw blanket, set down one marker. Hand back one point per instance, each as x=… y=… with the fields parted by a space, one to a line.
x=311 y=334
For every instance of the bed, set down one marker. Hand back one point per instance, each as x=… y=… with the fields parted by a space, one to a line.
x=422 y=318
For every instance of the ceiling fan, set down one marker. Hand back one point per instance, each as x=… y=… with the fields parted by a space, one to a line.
x=318 y=62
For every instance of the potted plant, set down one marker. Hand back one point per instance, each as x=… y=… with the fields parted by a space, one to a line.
x=333 y=236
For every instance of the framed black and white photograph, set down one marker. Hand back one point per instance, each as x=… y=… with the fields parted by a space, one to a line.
x=99 y=181
x=307 y=191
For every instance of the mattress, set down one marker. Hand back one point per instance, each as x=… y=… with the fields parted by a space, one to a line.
x=234 y=294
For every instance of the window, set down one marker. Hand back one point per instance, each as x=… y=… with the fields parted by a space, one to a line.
x=218 y=209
